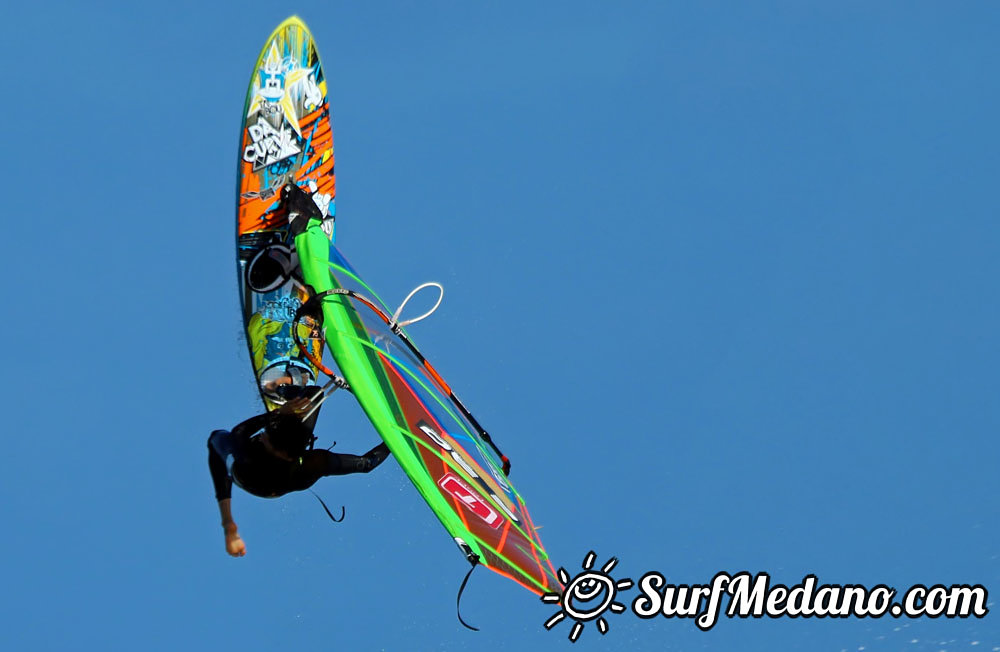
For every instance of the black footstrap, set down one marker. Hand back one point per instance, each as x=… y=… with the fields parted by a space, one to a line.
x=458 y=600
x=328 y=512
x=298 y=202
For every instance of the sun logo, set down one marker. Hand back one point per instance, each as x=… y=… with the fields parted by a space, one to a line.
x=587 y=596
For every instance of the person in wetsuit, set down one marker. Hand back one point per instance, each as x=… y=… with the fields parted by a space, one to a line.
x=270 y=455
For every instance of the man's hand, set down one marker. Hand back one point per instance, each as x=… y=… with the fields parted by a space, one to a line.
x=234 y=544
x=296 y=406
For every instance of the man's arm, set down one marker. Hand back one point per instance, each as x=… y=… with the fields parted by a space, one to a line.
x=221 y=444
x=234 y=544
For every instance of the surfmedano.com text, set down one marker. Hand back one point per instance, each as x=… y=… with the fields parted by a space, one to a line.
x=755 y=597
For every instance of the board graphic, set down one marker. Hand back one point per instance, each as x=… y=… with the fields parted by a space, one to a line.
x=286 y=136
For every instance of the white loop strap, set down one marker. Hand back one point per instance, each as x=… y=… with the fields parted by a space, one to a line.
x=399 y=310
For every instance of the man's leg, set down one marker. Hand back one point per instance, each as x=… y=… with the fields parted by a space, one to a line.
x=319 y=463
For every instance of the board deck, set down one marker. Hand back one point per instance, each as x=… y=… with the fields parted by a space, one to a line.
x=286 y=136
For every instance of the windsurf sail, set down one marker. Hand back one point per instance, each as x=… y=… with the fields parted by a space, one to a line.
x=448 y=456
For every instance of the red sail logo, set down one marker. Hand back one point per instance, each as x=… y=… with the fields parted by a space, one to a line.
x=472 y=500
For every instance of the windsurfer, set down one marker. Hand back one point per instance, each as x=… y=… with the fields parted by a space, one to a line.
x=270 y=455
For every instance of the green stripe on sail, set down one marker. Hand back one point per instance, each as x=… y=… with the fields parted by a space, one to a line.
x=364 y=373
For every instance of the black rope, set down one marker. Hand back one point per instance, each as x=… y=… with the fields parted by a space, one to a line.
x=458 y=600
x=328 y=512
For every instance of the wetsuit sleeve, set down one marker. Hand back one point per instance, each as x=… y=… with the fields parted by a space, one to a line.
x=218 y=446
x=221 y=444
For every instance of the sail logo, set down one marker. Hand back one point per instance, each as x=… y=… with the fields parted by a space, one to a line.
x=269 y=145
x=454 y=486
x=461 y=461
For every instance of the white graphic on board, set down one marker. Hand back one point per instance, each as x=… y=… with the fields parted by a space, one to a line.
x=269 y=145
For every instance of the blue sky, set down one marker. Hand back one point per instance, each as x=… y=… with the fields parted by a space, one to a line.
x=720 y=278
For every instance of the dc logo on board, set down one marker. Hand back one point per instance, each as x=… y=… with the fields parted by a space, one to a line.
x=587 y=596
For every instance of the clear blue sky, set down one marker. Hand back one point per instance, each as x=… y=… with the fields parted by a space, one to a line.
x=721 y=278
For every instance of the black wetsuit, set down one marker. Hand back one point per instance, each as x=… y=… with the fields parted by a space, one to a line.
x=282 y=463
